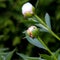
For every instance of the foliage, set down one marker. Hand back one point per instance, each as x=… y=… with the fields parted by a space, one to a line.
x=13 y=26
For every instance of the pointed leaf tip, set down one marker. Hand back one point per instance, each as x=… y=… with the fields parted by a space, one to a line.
x=47 y=20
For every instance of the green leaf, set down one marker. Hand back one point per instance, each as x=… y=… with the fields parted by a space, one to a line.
x=47 y=20
x=35 y=42
x=22 y=56
x=3 y=49
x=2 y=53
x=59 y=57
x=2 y=4
x=29 y=58
x=57 y=54
x=47 y=57
x=9 y=55
x=16 y=41
x=42 y=28
x=6 y=55
x=36 y=5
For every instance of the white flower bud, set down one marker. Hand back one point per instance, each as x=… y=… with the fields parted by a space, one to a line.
x=33 y=31
x=28 y=9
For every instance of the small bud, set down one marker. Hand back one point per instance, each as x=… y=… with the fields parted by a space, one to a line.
x=28 y=9
x=33 y=31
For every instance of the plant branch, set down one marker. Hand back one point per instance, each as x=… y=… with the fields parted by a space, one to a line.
x=46 y=47
x=50 y=31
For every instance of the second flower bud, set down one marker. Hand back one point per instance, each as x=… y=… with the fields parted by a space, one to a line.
x=33 y=31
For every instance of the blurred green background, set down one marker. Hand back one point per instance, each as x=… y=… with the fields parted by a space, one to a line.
x=13 y=24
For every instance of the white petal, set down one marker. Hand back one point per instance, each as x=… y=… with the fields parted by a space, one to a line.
x=31 y=28
x=27 y=7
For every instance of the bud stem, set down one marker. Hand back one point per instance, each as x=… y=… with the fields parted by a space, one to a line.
x=46 y=47
x=42 y=22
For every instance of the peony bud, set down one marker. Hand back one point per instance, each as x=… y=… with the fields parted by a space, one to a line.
x=33 y=31
x=28 y=9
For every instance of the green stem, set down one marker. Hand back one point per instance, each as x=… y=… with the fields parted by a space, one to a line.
x=54 y=34
x=47 y=48
x=42 y=22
